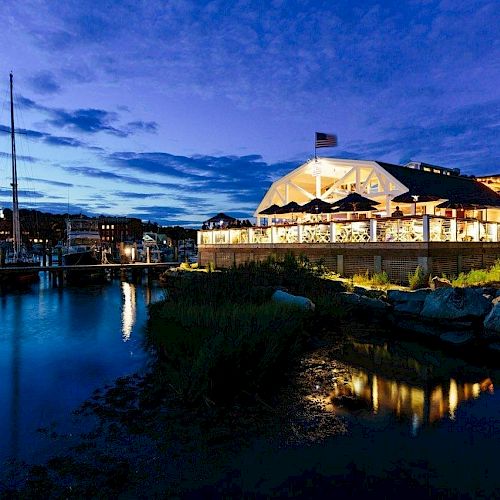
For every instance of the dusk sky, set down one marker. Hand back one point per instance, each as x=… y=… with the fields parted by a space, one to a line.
x=175 y=110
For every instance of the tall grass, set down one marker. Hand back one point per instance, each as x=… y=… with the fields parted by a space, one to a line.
x=217 y=353
x=376 y=279
x=219 y=333
x=418 y=279
x=479 y=276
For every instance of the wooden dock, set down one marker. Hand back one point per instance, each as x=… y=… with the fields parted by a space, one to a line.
x=136 y=266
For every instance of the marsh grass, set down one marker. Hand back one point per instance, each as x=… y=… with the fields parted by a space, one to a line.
x=380 y=280
x=218 y=353
x=219 y=333
x=479 y=276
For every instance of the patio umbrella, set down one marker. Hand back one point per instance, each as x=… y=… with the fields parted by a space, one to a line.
x=317 y=206
x=415 y=198
x=354 y=202
x=272 y=210
x=458 y=206
x=220 y=217
x=289 y=208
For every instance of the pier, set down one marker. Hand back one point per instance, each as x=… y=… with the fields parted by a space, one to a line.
x=57 y=268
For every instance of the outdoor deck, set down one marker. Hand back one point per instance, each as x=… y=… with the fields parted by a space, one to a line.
x=439 y=245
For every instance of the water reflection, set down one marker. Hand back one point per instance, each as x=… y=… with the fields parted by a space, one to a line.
x=418 y=388
x=56 y=347
x=128 y=309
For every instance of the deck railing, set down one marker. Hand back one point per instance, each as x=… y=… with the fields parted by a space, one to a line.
x=402 y=229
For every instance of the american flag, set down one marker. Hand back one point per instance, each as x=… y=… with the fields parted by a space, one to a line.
x=325 y=140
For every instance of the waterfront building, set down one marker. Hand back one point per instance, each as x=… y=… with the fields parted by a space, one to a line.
x=360 y=215
x=119 y=229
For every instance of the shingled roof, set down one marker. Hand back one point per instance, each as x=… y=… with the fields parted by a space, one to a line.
x=456 y=188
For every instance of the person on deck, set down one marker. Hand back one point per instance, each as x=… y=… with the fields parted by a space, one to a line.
x=397 y=213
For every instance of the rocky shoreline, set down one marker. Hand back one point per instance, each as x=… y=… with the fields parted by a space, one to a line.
x=455 y=315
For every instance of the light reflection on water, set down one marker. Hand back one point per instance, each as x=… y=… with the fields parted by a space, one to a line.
x=420 y=389
x=56 y=347
x=128 y=309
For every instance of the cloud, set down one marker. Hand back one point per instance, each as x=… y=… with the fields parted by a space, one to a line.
x=47 y=138
x=86 y=120
x=55 y=140
x=47 y=181
x=140 y=126
x=44 y=82
x=135 y=195
x=23 y=193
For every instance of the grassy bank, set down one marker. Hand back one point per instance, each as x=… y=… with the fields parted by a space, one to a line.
x=219 y=334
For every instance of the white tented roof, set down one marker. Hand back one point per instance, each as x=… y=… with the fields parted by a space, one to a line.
x=332 y=179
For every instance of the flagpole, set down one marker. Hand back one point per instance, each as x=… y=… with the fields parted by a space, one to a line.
x=315 y=149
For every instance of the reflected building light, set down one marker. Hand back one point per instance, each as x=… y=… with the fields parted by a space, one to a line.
x=128 y=309
x=358 y=385
x=476 y=390
x=375 y=394
x=453 y=398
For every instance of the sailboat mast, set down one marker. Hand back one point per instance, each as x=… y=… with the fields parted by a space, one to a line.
x=16 y=227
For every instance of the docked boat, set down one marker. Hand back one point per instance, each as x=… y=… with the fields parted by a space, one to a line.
x=83 y=248
x=14 y=256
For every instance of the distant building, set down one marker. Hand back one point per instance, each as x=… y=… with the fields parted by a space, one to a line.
x=119 y=229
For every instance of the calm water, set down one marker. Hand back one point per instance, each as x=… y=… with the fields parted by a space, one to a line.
x=405 y=410
x=56 y=347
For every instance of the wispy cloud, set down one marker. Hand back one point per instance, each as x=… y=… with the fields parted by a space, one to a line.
x=44 y=82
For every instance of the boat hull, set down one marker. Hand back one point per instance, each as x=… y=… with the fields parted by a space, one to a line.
x=82 y=276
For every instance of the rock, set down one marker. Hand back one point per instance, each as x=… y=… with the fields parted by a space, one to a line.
x=406 y=296
x=492 y=321
x=457 y=338
x=367 y=292
x=495 y=346
x=362 y=302
x=413 y=307
x=440 y=283
x=455 y=303
x=295 y=300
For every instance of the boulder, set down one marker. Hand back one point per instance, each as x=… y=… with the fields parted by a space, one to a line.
x=456 y=304
x=437 y=282
x=413 y=307
x=362 y=302
x=457 y=338
x=295 y=300
x=368 y=292
x=492 y=321
x=407 y=296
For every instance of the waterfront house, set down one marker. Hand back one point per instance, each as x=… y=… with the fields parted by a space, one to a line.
x=405 y=216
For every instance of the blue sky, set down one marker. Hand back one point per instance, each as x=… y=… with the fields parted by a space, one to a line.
x=175 y=110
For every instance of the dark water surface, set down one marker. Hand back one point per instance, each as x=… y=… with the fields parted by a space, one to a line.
x=401 y=412
x=56 y=347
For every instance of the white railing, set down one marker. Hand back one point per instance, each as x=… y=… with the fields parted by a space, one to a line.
x=404 y=229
